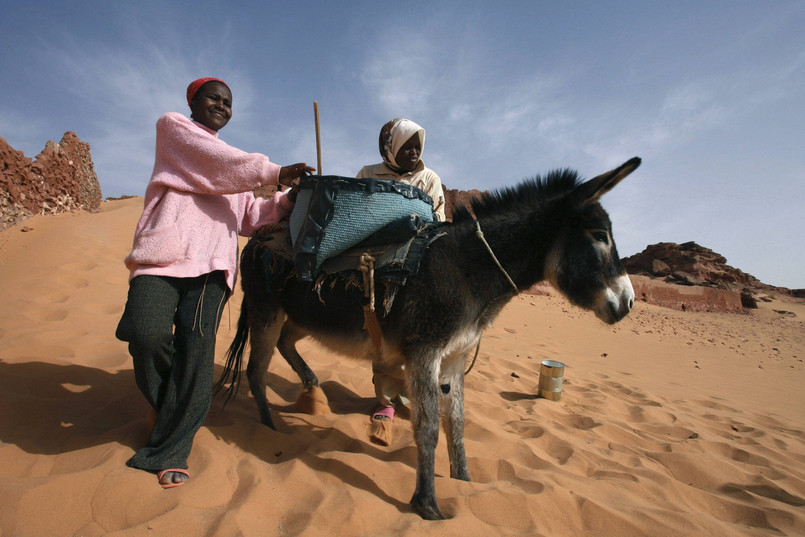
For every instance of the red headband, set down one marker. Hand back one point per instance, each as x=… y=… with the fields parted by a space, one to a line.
x=196 y=85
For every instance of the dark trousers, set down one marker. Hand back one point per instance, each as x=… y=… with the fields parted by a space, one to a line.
x=170 y=325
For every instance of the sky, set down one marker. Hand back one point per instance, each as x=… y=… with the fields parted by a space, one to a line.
x=708 y=93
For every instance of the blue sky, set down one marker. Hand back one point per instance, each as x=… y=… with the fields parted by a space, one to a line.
x=709 y=93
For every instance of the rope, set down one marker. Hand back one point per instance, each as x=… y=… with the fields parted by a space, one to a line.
x=370 y=324
x=200 y=307
x=477 y=348
x=480 y=235
x=367 y=267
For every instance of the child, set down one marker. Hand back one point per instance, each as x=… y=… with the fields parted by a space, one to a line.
x=401 y=143
x=183 y=266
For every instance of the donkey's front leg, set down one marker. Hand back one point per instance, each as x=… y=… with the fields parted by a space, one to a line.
x=451 y=384
x=424 y=391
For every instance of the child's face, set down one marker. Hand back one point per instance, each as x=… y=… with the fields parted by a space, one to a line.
x=408 y=155
x=212 y=105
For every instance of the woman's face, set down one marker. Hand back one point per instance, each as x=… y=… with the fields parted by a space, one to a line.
x=409 y=154
x=212 y=105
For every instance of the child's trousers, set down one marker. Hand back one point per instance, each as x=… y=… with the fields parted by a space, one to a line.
x=170 y=325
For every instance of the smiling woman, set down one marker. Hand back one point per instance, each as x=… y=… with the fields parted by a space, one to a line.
x=183 y=266
x=210 y=101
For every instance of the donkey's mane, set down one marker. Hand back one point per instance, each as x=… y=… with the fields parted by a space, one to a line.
x=528 y=193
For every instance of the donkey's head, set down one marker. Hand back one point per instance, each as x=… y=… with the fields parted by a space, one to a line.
x=583 y=262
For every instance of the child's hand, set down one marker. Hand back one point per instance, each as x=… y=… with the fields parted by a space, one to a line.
x=289 y=174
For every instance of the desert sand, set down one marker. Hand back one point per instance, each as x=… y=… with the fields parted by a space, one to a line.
x=670 y=423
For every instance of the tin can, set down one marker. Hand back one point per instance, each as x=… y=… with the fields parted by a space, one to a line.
x=551 y=374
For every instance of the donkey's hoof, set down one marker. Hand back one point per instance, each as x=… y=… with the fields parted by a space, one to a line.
x=312 y=401
x=427 y=509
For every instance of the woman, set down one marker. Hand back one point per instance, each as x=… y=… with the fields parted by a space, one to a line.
x=401 y=144
x=183 y=266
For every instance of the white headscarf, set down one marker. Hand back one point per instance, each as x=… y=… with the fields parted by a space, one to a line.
x=393 y=136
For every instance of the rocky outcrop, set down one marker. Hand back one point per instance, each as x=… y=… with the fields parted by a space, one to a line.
x=689 y=264
x=454 y=198
x=61 y=178
x=687 y=297
x=692 y=264
x=712 y=285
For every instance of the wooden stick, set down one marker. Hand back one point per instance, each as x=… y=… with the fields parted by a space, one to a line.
x=318 y=137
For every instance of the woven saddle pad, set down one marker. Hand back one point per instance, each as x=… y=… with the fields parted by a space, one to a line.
x=333 y=213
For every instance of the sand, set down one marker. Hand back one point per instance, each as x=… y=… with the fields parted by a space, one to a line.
x=670 y=423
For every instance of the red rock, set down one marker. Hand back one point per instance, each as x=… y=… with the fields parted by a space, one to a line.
x=454 y=198
x=61 y=178
x=700 y=268
x=685 y=298
x=695 y=264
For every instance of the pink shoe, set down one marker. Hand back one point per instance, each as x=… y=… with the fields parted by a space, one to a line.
x=384 y=413
x=172 y=484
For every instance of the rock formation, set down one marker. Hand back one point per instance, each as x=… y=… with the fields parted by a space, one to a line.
x=61 y=178
x=686 y=297
x=663 y=271
x=689 y=264
x=454 y=198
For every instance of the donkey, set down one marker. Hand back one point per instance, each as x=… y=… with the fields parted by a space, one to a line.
x=548 y=228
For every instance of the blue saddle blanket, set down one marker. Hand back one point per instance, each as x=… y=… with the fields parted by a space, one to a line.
x=334 y=213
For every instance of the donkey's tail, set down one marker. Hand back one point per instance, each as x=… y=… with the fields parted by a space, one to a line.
x=234 y=356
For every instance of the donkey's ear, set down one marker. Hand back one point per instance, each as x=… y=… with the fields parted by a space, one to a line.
x=592 y=190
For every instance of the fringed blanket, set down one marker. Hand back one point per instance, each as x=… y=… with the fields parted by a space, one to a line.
x=392 y=263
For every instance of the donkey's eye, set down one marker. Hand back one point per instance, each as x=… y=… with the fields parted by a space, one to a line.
x=601 y=236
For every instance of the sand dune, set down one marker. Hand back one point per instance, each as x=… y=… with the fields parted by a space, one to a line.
x=670 y=423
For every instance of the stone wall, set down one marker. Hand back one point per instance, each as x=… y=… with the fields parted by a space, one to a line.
x=60 y=178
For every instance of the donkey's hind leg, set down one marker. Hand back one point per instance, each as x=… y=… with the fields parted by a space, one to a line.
x=451 y=384
x=287 y=346
x=263 y=338
x=312 y=399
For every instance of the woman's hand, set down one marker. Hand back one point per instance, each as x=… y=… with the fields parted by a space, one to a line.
x=289 y=175
x=293 y=192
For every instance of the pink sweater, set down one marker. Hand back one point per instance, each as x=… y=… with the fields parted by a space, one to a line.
x=198 y=201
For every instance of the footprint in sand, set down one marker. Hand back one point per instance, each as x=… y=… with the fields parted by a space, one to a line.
x=54 y=298
x=80 y=266
x=560 y=450
x=506 y=471
x=109 y=309
x=583 y=422
x=71 y=280
x=611 y=474
x=770 y=491
x=47 y=315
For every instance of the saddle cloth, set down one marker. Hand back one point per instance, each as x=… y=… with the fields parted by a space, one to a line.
x=334 y=213
x=394 y=262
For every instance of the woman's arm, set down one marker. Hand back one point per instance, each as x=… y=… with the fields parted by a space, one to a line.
x=190 y=158
x=257 y=212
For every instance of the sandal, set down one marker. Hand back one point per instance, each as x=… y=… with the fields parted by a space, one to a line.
x=384 y=413
x=381 y=428
x=173 y=484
